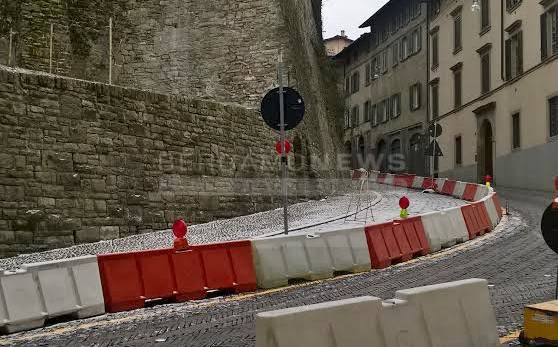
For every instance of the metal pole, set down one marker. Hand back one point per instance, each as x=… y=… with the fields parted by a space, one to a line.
x=50 y=49
x=10 y=47
x=110 y=51
x=434 y=151
x=284 y=170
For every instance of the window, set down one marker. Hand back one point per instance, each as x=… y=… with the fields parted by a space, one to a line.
x=457 y=37
x=485 y=15
x=348 y=85
x=347 y=120
x=416 y=41
x=512 y=4
x=395 y=107
x=485 y=72
x=385 y=61
x=381 y=112
x=404 y=48
x=514 y=55
x=549 y=33
x=368 y=73
x=458 y=151
x=354 y=117
x=375 y=68
x=373 y=115
x=457 y=85
x=553 y=112
x=435 y=100
x=435 y=53
x=395 y=146
x=516 y=131
x=414 y=97
x=395 y=53
x=367 y=111
x=355 y=82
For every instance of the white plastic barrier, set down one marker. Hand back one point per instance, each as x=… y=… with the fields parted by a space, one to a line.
x=482 y=191
x=280 y=258
x=348 y=249
x=417 y=182
x=459 y=189
x=445 y=228
x=20 y=302
x=453 y=314
x=389 y=179
x=457 y=314
x=69 y=286
x=491 y=208
x=440 y=183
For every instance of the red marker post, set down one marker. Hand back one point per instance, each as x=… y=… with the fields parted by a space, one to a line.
x=288 y=147
x=179 y=229
x=488 y=180
x=404 y=203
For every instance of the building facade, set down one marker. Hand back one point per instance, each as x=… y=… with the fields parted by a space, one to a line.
x=385 y=78
x=334 y=45
x=494 y=90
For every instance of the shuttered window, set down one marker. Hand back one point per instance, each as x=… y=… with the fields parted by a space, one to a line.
x=553 y=112
x=514 y=55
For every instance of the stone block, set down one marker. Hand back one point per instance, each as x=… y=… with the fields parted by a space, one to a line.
x=109 y=232
x=88 y=234
x=46 y=202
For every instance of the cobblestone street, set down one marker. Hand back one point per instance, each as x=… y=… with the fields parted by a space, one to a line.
x=514 y=259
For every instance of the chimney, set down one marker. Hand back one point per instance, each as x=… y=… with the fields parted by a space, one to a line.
x=343 y=33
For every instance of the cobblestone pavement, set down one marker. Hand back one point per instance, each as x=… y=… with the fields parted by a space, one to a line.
x=514 y=259
x=385 y=199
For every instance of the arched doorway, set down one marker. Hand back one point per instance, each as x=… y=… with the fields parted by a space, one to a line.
x=361 y=152
x=416 y=157
x=381 y=156
x=486 y=150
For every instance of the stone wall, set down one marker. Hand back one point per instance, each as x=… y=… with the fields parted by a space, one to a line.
x=83 y=161
x=221 y=50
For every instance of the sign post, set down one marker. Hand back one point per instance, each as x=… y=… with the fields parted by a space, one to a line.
x=284 y=169
x=282 y=109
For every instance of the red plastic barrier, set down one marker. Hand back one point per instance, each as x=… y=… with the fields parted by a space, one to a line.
x=476 y=219
x=403 y=180
x=497 y=204
x=397 y=241
x=449 y=187
x=429 y=183
x=470 y=191
x=381 y=178
x=128 y=279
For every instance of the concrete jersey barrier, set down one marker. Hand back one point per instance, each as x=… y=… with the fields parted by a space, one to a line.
x=491 y=209
x=348 y=249
x=457 y=314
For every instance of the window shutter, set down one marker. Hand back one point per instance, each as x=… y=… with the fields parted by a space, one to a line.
x=544 y=40
x=411 y=97
x=508 y=59
x=419 y=92
x=520 y=52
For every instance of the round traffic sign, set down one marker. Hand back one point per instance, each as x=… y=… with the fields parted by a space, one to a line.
x=549 y=227
x=179 y=229
x=294 y=108
x=435 y=130
x=288 y=147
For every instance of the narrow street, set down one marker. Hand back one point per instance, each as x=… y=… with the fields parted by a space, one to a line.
x=514 y=259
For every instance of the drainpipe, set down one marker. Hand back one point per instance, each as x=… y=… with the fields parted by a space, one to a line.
x=427 y=85
x=502 y=43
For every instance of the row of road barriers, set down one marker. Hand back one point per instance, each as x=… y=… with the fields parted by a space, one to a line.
x=457 y=314
x=88 y=286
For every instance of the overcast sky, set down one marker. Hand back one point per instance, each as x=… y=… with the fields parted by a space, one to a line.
x=348 y=15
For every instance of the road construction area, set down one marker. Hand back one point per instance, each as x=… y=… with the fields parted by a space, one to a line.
x=514 y=259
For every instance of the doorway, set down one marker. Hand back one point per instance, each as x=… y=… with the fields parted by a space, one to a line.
x=486 y=150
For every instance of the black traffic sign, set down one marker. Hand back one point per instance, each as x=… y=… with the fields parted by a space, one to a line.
x=549 y=227
x=434 y=149
x=294 y=108
x=435 y=130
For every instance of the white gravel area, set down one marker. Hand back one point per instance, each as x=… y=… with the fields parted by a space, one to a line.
x=385 y=207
